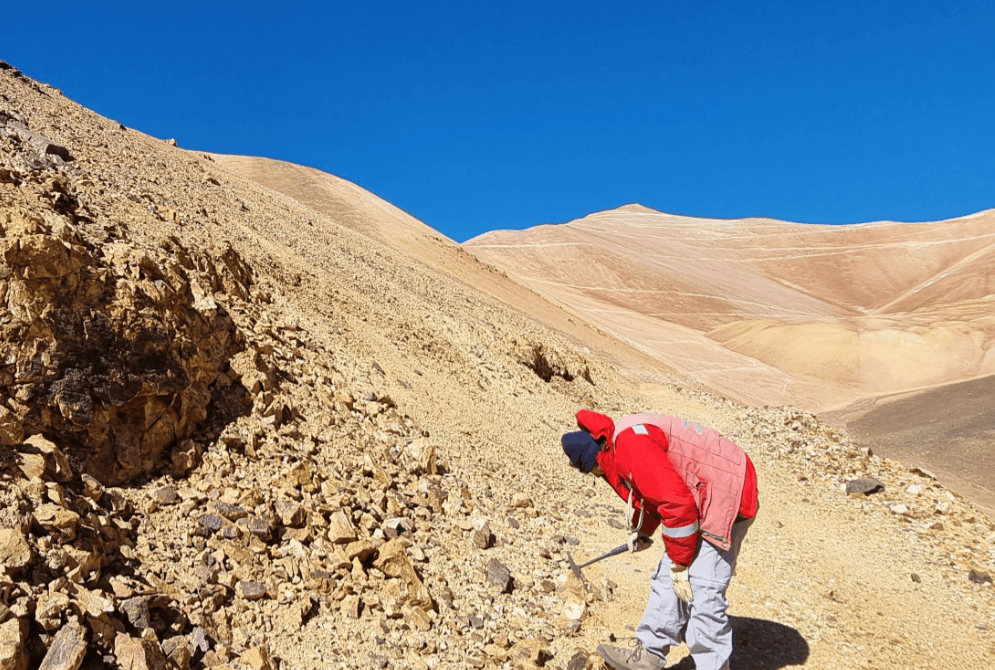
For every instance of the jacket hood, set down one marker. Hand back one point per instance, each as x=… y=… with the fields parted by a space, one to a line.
x=597 y=425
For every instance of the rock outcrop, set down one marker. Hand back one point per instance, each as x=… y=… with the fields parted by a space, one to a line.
x=116 y=349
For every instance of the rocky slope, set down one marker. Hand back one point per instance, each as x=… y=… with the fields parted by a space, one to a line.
x=236 y=433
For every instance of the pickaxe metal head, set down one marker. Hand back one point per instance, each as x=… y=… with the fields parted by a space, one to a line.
x=573 y=567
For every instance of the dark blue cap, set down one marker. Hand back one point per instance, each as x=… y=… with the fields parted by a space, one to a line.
x=582 y=450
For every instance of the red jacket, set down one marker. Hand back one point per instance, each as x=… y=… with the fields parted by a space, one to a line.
x=640 y=462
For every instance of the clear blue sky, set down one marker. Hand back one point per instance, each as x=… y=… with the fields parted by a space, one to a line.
x=481 y=115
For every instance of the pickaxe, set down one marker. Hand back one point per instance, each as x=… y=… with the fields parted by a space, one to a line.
x=614 y=552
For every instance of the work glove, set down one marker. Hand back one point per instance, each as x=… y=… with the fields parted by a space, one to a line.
x=639 y=540
x=681 y=582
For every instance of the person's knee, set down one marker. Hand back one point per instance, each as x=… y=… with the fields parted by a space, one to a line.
x=709 y=613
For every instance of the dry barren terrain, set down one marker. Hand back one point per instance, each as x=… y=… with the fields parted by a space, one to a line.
x=249 y=426
x=950 y=428
x=769 y=312
x=763 y=310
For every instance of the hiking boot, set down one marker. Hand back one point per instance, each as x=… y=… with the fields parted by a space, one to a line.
x=634 y=658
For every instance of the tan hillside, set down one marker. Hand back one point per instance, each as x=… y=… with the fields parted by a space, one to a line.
x=768 y=312
x=238 y=430
x=823 y=314
x=356 y=208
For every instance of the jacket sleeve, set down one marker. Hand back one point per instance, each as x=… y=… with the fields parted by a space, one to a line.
x=663 y=489
x=750 y=502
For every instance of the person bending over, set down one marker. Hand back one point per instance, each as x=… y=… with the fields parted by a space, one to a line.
x=701 y=490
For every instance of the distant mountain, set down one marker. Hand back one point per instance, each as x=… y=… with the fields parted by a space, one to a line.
x=773 y=312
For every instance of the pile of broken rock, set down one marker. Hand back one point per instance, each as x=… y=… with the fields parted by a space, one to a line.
x=209 y=570
x=66 y=549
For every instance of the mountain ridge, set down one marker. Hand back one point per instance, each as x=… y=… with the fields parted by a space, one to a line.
x=850 y=277
x=770 y=312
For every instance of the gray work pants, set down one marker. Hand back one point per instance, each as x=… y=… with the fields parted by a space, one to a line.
x=703 y=624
